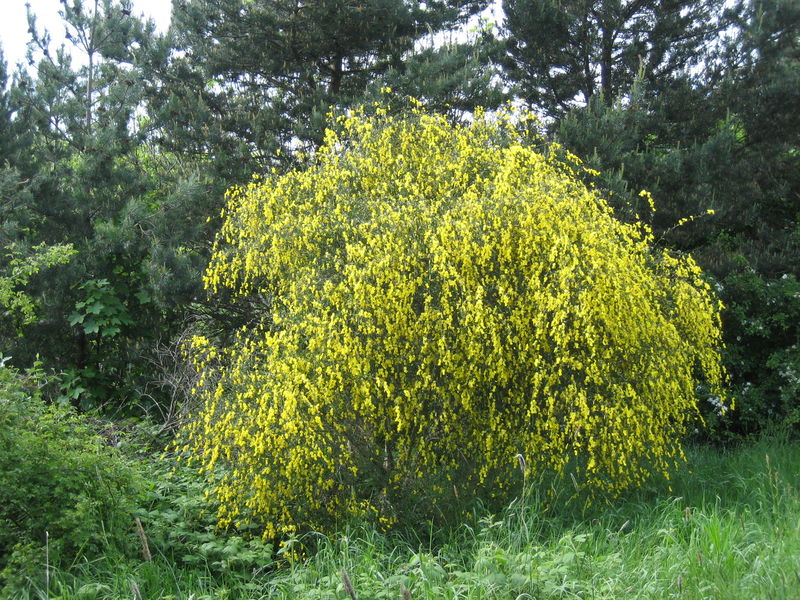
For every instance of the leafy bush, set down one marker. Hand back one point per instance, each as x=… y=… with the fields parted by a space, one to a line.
x=16 y=270
x=181 y=526
x=437 y=300
x=762 y=326
x=62 y=489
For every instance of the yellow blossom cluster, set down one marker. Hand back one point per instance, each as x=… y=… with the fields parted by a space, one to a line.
x=438 y=300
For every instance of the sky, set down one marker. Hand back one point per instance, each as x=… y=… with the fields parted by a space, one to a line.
x=14 y=23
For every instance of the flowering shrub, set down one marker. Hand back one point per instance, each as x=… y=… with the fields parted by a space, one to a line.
x=437 y=300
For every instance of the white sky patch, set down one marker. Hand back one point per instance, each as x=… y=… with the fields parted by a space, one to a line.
x=14 y=23
x=490 y=19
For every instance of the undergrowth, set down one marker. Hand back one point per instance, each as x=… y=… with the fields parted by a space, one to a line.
x=730 y=528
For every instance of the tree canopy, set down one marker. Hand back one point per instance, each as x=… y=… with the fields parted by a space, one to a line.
x=121 y=143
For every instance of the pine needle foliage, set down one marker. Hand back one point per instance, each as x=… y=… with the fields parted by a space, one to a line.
x=439 y=299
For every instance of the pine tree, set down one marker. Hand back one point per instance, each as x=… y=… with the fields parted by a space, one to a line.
x=256 y=78
x=761 y=86
x=15 y=214
x=96 y=183
x=564 y=53
x=451 y=77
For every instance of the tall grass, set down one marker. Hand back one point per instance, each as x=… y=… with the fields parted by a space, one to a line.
x=729 y=529
x=727 y=526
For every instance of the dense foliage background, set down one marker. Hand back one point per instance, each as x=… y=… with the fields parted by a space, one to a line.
x=121 y=144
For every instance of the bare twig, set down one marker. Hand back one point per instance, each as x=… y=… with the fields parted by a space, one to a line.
x=47 y=564
x=348 y=586
x=143 y=539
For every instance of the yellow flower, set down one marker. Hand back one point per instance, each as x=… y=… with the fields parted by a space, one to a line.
x=434 y=300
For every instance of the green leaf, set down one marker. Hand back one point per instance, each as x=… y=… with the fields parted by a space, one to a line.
x=143 y=297
x=95 y=308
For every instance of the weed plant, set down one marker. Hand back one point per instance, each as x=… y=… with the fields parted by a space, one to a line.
x=64 y=492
